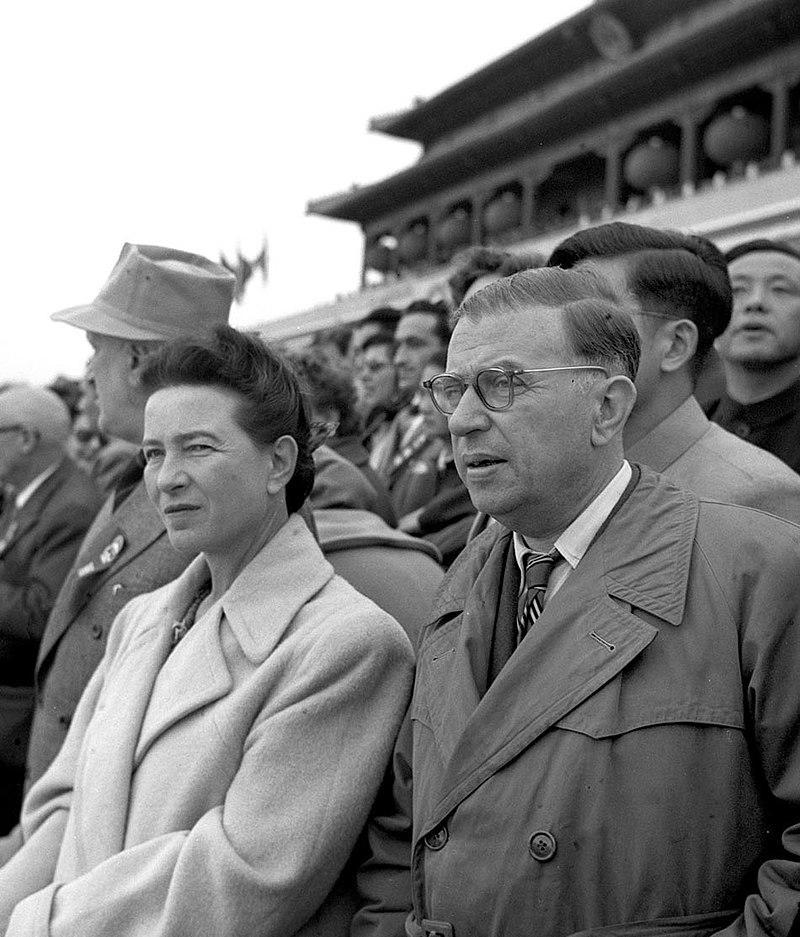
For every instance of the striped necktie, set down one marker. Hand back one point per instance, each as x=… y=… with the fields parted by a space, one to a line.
x=538 y=567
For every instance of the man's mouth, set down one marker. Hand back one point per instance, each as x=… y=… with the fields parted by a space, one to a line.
x=481 y=461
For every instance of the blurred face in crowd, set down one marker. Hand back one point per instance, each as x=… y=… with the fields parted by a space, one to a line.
x=530 y=464
x=362 y=334
x=376 y=376
x=416 y=339
x=434 y=422
x=217 y=490
x=764 y=329
x=114 y=371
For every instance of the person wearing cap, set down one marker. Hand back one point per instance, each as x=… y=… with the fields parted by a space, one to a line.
x=48 y=507
x=760 y=349
x=153 y=295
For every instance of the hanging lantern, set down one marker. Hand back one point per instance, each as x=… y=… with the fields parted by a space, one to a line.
x=379 y=257
x=413 y=244
x=653 y=164
x=739 y=136
x=503 y=213
x=454 y=230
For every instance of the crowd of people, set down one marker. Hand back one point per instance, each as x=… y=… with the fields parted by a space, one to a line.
x=476 y=617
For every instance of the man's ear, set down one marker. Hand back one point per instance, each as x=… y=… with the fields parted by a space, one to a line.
x=138 y=353
x=284 y=460
x=616 y=397
x=678 y=343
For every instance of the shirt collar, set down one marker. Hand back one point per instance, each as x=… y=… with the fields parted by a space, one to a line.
x=32 y=487
x=575 y=540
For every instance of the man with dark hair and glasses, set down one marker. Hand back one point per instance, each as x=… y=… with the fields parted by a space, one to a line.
x=604 y=728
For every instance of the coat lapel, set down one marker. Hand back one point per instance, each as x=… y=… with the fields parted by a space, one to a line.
x=258 y=609
x=585 y=637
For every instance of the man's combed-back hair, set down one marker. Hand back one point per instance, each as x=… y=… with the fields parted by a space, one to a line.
x=479 y=262
x=440 y=312
x=329 y=386
x=671 y=274
x=271 y=400
x=597 y=321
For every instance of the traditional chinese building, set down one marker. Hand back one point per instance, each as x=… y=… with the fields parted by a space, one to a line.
x=670 y=113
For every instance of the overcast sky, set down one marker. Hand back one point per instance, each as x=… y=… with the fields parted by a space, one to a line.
x=205 y=126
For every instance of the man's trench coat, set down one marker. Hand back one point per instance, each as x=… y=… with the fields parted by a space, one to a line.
x=635 y=767
x=218 y=789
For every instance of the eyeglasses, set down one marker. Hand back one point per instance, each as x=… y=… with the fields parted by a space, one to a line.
x=13 y=428
x=494 y=386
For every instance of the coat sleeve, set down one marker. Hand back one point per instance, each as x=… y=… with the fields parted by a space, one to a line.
x=267 y=857
x=770 y=655
x=384 y=877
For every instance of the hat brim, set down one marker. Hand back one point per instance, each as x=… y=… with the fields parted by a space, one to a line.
x=98 y=318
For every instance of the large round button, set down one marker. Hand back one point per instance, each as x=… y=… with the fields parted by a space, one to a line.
x=437 y=838
x=542 y=846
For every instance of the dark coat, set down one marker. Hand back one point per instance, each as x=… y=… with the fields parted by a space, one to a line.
x=635 y=762
x=129 y=553
x=39 y=543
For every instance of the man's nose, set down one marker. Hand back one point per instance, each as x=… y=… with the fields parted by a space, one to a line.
x=755 y=298
x=469 y=416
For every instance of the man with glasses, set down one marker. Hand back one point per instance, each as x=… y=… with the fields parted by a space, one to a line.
x=682 y=302
x=604 y=728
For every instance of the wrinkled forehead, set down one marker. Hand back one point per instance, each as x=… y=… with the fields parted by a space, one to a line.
x=763 y=265
x=530 y=338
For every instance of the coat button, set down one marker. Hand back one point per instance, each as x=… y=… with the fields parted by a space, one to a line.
x=97 y=630
x=542 y=846
x=437 y=838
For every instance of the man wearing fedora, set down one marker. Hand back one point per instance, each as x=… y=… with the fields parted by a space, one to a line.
x=153 y=294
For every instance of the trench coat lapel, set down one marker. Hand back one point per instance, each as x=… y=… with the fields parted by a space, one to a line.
x=258 y=609
x=585 y=636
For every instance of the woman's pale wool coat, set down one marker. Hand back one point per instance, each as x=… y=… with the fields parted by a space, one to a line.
x=218 y=789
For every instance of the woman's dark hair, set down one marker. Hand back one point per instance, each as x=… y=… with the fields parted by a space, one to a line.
x=329 y=387
x=272 y=403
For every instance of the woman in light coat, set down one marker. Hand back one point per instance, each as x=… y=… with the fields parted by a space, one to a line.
x=224 y=757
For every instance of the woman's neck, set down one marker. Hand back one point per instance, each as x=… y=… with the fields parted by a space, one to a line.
x=226 y=565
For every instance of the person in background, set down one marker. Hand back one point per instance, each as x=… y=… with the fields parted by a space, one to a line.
x=445 y=513
x=422 y=330
x=332 y=402
x=681 y=302
x=378 y=321
x=760 y=349
x=603 y=736
x=480 y=266
x=225 y=755
x=48 y=506
x=152 y=295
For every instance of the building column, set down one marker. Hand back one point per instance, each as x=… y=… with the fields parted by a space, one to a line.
x=613 y=156
x=688 y=154
x=778 y=120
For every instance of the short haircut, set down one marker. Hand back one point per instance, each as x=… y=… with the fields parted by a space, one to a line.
x=380 y=340
x=761 y=244
x=479 y=262
x=439 y=310
x=271 y=403
x=386 y=317
x=337 y=336
x=597 y=321
x=328 y=386
x=676 y=275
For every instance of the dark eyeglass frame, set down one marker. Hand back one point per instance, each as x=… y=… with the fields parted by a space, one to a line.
x=509 y=373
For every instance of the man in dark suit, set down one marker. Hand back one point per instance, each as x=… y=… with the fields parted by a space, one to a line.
x=48 y=506
x=152 y=295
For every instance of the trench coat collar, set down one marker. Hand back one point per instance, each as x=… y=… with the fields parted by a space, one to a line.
x=646 y=550
x=584 y=637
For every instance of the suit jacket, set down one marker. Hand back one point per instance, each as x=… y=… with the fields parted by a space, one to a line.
x=125 y=552
x=220 y=788
x=713 y=463
x=634 y=768
x=40 y=541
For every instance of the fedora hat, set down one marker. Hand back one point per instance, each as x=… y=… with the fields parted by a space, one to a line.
x=156 y=293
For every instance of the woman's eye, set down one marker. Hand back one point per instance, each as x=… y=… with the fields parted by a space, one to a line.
x=199 y=447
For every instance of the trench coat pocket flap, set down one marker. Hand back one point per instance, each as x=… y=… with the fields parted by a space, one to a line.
x=693 y=925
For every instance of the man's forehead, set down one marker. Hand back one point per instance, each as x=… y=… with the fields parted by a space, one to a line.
x=509 y=335
x=765 y=264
